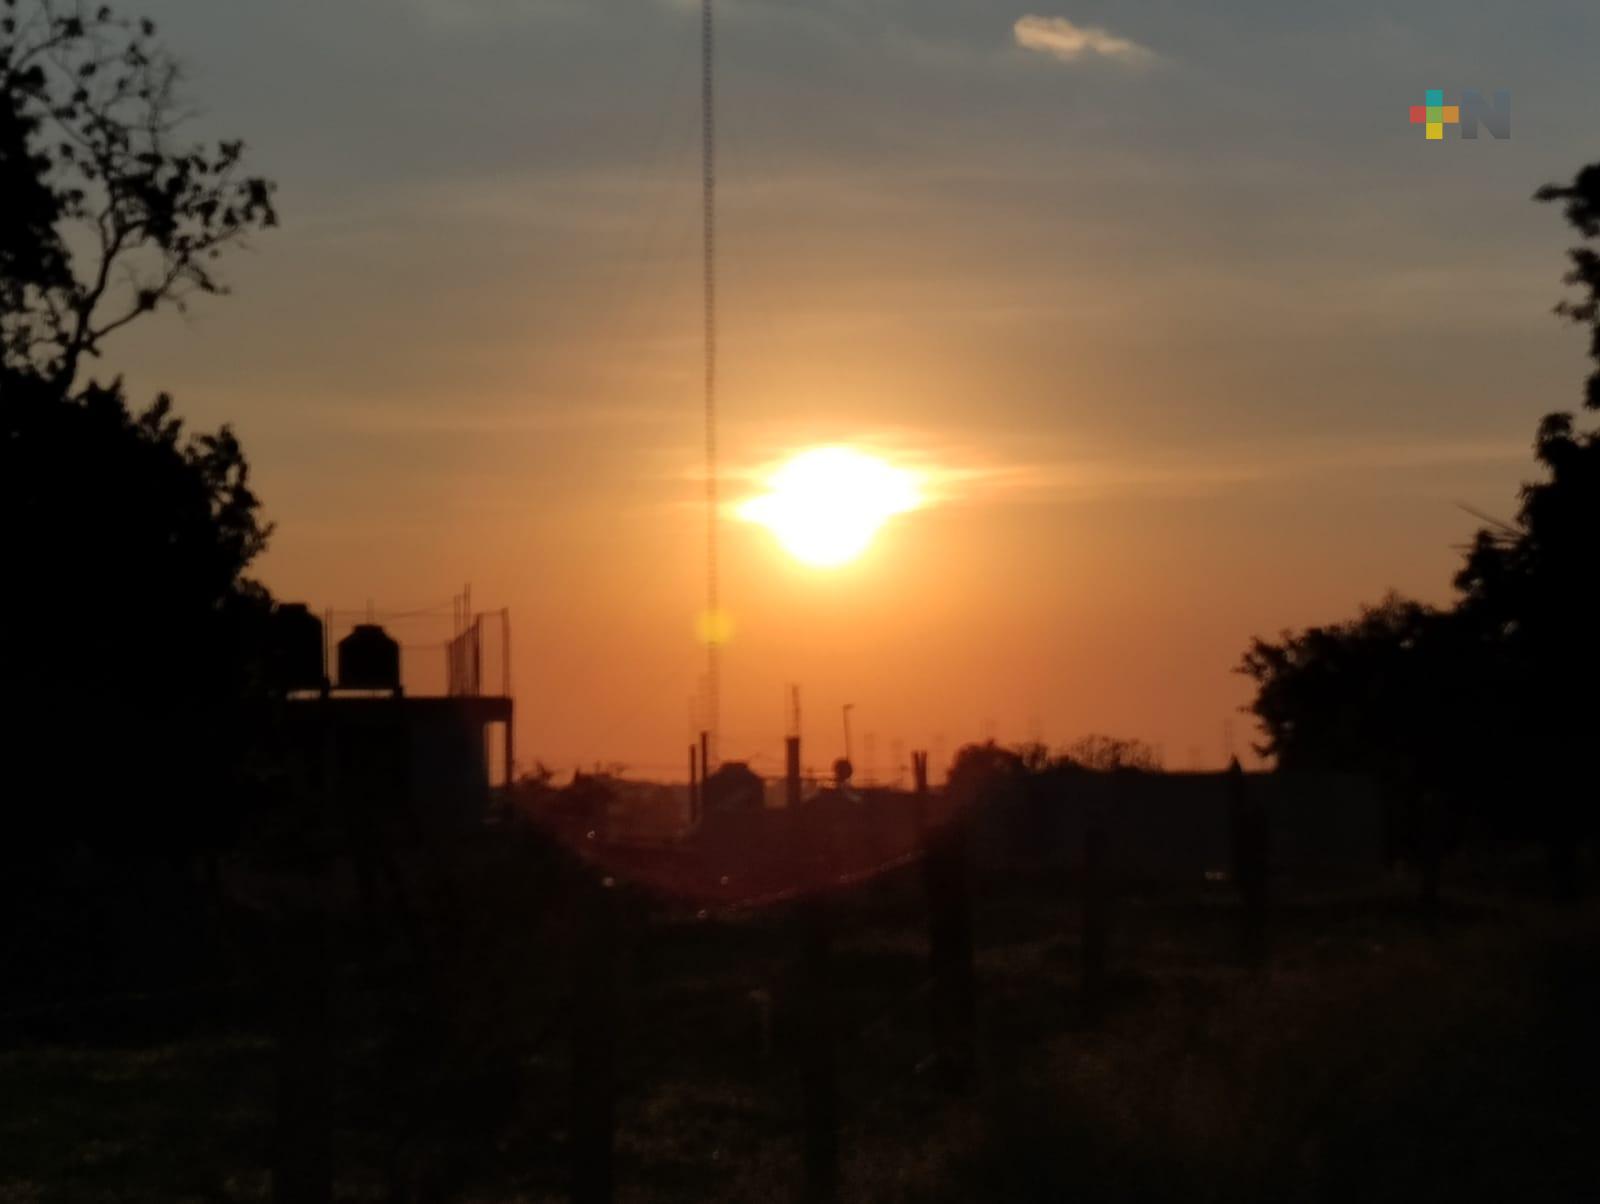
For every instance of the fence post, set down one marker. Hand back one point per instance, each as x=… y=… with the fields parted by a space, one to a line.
x=694 y=785
x=1564 y=837
x=819 y=1082
x=1431 y=854
x=791 y=771
x=302 y=1163
x=947 y=874
x=1250 y=838
x=919 y=771
x=594 y=1046
x=1096 y=917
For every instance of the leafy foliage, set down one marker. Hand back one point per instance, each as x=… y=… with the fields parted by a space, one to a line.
x=1112 y=753
x=134 y=649
x=133 y=630
x=1340 y=696
x=1498 y=690
x=1581 y=204
x=114 y=219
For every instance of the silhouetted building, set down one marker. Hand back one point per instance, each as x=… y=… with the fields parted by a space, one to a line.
x=376 y=755
x=734 y=789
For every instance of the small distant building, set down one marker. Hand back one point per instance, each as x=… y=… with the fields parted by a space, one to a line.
x=375 y=754
x=734 y=789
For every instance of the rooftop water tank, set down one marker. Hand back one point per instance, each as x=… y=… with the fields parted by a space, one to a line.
x=369 y=660
x=296 y=648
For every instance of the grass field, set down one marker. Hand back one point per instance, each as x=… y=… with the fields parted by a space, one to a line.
x=1371 y=1059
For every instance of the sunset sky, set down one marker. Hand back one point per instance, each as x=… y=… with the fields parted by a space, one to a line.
x=1189 y=332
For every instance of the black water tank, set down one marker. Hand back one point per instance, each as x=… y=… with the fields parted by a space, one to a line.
x=296 y=648
x=369 y=659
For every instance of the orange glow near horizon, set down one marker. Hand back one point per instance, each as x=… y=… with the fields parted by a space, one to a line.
x=825 y=504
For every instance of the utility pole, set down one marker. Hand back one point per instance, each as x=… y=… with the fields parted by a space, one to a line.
x=791 y=751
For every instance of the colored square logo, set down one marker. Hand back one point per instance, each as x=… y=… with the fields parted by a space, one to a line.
x=1433 y=114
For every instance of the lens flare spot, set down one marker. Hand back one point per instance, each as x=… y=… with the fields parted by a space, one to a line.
x=715 y=627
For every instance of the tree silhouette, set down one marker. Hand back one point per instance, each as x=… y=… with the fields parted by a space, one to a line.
x=1490 y=703
x=112 y=219
x=130 y=660
x=1581 y=203
x=131 y=629
x=1348 y=695
x=1111 y=753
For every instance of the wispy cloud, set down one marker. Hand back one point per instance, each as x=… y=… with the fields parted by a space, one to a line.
x=1070 y=43
x=1223 y=471
x=959 y=470
x=542 y=414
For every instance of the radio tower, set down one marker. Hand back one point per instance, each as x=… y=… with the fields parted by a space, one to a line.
x=708 y=181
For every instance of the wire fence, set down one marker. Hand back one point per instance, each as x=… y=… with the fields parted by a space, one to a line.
x=443 y=651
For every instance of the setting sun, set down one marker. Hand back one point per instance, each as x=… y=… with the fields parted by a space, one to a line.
x=825 y=504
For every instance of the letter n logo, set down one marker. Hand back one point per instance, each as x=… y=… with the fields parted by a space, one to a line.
x=1496 y=117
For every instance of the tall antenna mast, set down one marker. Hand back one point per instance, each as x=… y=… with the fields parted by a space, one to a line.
x=708 y=180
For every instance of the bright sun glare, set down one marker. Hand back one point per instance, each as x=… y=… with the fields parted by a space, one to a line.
x=825 y=504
